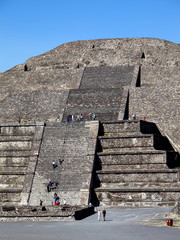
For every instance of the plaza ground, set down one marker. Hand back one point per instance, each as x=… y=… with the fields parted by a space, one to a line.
x=123 y=224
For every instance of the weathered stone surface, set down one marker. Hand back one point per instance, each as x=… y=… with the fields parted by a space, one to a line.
x=129 y=171
x=42 y=213
x=76 y=144
x=108 y=77
x=108 y=63
x=18 y=147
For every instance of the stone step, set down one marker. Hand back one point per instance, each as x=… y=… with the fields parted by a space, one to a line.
x=136 y=204
x=17 y=130
x=14 y=161
x=113 y=167
x=70 y=167
x=51 y=173
x=16 y=146
x=138 y=185
x=131 y=157
x=138 y=189
x=115 y=127
x=13 y=169
x=126 y=142
x=11 y=173
x=10 y=190
x=128 y=126
x=123 y=134
x=138 y=175
x=138 y=171
x=122 y=198
x=14 y=138
x=62 y=126
x=15 y=179
x=12 y=185
x=134 y=149
x=11 y=197
x=15 y=153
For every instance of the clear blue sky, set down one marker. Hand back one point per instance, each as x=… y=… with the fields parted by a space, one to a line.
x=30 y=28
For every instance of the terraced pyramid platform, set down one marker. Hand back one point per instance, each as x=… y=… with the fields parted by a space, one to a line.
x=131 y=168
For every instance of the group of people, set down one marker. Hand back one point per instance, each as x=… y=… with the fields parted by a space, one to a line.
x=51 y=185
x=134 y=117
x=20 y=120
x=54 y=165
x=79 y=118
x=103 y=213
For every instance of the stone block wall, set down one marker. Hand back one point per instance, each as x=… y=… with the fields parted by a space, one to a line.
x=159 y=106
x=19 y=147
x=34 y=106
x=129 y=169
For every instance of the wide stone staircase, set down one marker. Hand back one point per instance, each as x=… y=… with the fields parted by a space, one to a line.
x=105 y=103
x=103 y=91
x=73 y=142
x=108 y=77
x=135 y=166
x=26 y=155
x=19 y=144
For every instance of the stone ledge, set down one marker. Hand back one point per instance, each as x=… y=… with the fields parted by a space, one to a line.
x=10 y=190
x=120 y=121
x=130 y=189
x=12 y=173
x=15 y=124
x=136 y=204
x=131 y=152
x=124 y=136
x=63 y=212
x=127 y=149
x=15 y=138
x=15 y=153
x=139 y=171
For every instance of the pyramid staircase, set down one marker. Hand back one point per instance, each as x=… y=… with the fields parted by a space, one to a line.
x=135 y=166
x=71 y=142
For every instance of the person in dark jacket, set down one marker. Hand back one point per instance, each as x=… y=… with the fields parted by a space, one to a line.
x=104 y=214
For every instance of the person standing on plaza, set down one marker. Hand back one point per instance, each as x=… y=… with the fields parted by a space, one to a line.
x=104 y=214
x=99 y=214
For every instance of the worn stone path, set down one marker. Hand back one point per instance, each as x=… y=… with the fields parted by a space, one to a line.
x=120 y=224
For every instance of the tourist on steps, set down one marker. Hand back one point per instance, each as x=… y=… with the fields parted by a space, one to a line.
x=94 y=116
x=60 y=160
x=56 y=199
x=81 y=117
x=54 y=164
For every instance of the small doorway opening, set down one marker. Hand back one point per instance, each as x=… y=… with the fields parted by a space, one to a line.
x=138 y=82
x=143 y=55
